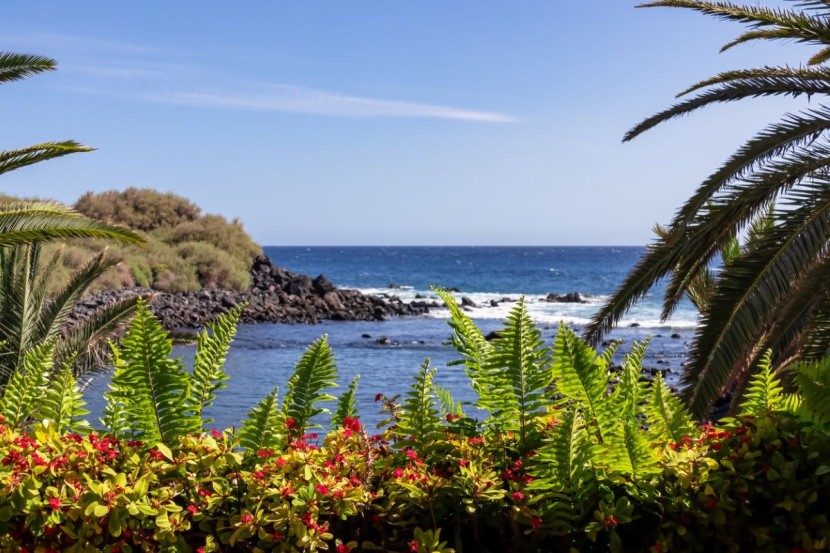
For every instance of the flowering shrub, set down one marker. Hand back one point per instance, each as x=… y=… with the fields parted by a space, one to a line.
x=563 y=462
x=753 y=484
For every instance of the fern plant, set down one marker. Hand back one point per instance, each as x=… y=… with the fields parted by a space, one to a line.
x=314 y=373
x=63 y=404
x=152 y=396
x=26 y=386
x=347 y=404
x=764 y=392
x=262 y=428
x=420 y=427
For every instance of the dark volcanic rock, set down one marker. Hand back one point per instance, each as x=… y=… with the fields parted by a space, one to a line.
x=275 y=296
x=467 y=302
x=571 y=297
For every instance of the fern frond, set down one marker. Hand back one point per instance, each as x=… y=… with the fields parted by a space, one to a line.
x=521 y=362
x=420 y=426
x=63 y=403
x=765 y=392
x=212 y=348
x=262 y=428
x=447 y=403
x=813 y=380
x=668 y=418
x=581 y=378
x=25 y=389
x=565 y=463
x=629 y=453
x=153 y=389
x=314 y=373
x=346 y=405
x=469 y=341
x=631 y=391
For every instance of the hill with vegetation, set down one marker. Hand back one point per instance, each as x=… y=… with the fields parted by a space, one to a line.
x=186 y=250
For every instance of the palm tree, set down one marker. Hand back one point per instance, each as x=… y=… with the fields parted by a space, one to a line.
x=27 y=317
x=776 y=294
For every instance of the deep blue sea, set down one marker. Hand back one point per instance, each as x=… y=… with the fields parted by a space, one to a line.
x=263 y=356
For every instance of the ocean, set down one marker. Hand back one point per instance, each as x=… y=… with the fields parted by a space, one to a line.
x=387 y=354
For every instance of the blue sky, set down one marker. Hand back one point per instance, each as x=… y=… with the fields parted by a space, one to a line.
x=382 y=122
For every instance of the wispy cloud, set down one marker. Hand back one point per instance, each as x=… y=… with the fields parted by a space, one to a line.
x=297 y=99
x=154 y=75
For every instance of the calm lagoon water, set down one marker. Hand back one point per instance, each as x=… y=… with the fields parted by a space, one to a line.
x=263 y=356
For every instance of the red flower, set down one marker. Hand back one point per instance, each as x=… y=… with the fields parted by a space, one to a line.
x=397 y=473
x=216 y=434
x=55 y=503
x=536 y=522
x=351 y=424
x=610 y=522
x=518 y=496
x=413 y=546
x=321 y=489
x=343 y=548
x=411 y=453
x=194 y=510
x=463 y=462
x=378 y=397
x=290 y=423
x=247 y=518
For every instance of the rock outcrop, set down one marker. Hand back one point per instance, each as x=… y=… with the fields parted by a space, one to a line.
x=275 y=296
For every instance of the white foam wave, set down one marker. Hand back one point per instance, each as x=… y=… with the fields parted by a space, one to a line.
x=490 y=305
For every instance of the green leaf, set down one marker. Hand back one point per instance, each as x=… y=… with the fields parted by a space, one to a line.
x=314 y=373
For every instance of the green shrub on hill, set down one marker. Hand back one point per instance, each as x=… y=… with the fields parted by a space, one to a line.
x=186 y=251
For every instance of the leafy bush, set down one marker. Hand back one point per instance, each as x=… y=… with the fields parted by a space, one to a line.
x=186 y=251
x=560 y=464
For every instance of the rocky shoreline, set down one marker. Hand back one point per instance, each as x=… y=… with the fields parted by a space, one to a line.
x=275 y=296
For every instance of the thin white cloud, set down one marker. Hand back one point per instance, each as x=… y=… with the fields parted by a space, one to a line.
x=287 y=98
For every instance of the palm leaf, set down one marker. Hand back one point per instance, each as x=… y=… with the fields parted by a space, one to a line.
x=15 y=159
x=15 y=66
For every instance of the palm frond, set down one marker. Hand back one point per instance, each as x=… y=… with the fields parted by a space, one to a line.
x=14 y=66
x=733 y=91
x=750 y=290
x=15 y=159
x=24 y=222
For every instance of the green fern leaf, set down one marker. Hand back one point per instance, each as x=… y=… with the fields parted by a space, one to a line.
x=114 y=416
x=152 y=389
x=26 y=387
x=212 y=347
x=420 y=427
x=582 y=378
x=631 y=390
x=315 y=372
x=629 y=453
x=346 y=405
x=765 y=392
x=446 y=402
x=520 y=364
x=668 y=418
x=262 y=426
x=813 y=380
x=469 y=341
x=63 y=403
